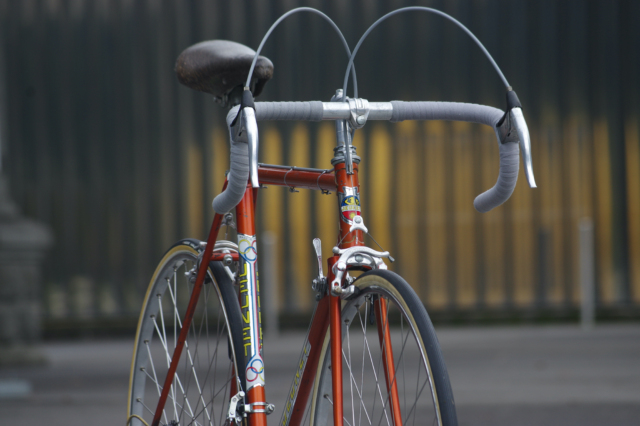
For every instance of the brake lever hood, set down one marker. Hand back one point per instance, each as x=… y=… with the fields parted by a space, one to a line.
x=250 y=125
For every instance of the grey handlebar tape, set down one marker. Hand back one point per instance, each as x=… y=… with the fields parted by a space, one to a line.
x=239 y=162
x=473 y=113
x=452 y=111
x=239 y=169
x=304 y=111
x=312 y=111
x=502 y=190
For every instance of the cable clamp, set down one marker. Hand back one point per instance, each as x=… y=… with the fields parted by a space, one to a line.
x=251 y=408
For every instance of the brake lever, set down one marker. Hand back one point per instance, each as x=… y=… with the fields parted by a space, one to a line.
x=250 y=125
x=517 y=119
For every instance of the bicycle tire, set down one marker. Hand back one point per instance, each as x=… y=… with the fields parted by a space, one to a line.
x=406 y=316
x=206 y=374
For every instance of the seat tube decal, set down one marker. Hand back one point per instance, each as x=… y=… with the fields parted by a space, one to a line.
x=250 y=308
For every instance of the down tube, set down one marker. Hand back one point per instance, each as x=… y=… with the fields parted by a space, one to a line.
x=250 y=308
x=303 y=381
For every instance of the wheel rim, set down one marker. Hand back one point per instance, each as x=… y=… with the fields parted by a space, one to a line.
x=366 y=397
x=205 y=375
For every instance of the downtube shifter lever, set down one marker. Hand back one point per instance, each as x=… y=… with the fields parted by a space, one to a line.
x=320 y=282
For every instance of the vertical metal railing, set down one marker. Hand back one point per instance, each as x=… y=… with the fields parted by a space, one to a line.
x=104 y=145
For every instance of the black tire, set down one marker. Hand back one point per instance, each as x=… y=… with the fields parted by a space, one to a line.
x=425 y=399
x=203 y=381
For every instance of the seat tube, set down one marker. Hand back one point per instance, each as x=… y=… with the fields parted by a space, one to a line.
x=250 y=308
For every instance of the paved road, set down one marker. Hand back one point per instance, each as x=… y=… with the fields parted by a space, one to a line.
x=557 y=375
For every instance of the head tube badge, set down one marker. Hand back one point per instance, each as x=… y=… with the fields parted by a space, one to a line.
x=349 y=204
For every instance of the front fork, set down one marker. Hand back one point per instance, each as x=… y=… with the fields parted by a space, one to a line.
x=351 y=250
x=384 y=338
x=335 y=327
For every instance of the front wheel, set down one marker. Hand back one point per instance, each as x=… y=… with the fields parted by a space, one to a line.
x=385 y=321
x=207 y=374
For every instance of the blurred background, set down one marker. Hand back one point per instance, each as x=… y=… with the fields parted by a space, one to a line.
x=106 y=160
x=101 y=144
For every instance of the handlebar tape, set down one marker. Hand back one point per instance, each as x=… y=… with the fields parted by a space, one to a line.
x=473 y=113
x=239 y=162
x=452 y=111
x=312 y=111
x=502 y=190
x=306 y=111
x=238 y=169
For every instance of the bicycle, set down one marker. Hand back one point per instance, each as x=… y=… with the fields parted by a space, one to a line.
x=370 y=346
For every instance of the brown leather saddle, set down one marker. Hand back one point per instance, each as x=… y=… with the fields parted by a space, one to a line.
x=220 y=68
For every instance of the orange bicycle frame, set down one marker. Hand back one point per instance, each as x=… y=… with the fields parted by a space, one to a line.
x=327 y=315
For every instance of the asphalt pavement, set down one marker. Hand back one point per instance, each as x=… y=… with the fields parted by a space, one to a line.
x=543 y=375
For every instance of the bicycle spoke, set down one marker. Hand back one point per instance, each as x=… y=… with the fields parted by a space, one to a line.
x=390 y=356
x=185 y=401
x=382 y=345
x=204 y=383
x=418 y=397
x=191 y=367
x=149 y=410
x=169 y=358
x=375 y=375
x=364 y=336
x=225 y=387
x=330 y=401
x=211 y=402
x=213 y=359
x=164 y=345
x=164 y=331
x=154 y=380
x=305 y=420
x=176 y=315
x=393 y=379
x=352 y=381
x=186 y=345
x=200 y=388
x=193 y=370
x=215 y=366
x=155 y=377
x=186 y=342
x=353 y=413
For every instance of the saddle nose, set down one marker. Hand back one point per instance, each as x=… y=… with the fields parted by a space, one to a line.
x=218 y=66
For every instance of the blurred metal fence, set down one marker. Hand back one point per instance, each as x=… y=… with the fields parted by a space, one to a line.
x=102 y=143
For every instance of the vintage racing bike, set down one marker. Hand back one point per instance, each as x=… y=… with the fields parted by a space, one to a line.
x=371 y=355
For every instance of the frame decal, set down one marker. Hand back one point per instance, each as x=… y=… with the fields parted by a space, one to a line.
x=349 y=204
x=247 y=248
x=250 y=310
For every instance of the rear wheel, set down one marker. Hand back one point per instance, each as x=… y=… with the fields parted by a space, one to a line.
x=207 y=374
x=419 y=374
